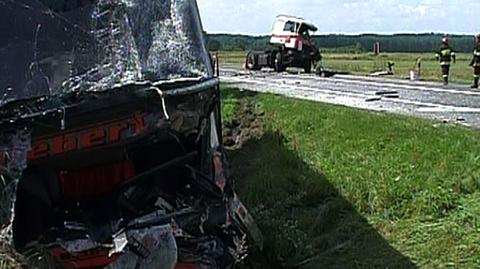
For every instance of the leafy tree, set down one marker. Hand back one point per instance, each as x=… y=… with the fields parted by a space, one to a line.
x=427 y=42
x=214 y=45
x=240 y=43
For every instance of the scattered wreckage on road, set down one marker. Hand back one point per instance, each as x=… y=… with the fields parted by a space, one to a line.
x=110 y=138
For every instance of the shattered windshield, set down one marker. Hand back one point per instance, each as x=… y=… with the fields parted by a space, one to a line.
x=51 y=47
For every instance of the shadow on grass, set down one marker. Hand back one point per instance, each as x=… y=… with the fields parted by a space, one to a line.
x=305 y=221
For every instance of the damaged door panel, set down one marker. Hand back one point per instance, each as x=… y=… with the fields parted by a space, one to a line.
x=110 y=147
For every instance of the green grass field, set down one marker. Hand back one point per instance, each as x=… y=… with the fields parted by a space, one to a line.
x=335 y=187
x=364 y=64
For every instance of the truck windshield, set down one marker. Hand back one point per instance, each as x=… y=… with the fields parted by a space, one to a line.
x=51 y=47
x=290 y=27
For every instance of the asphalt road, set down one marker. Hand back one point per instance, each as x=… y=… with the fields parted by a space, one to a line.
x=448 y=104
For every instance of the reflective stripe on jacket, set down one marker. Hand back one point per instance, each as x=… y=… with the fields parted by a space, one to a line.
x=445 y=55
x=476 y=57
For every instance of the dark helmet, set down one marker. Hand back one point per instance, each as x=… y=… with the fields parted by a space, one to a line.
x=477 y=37
x=445 y=40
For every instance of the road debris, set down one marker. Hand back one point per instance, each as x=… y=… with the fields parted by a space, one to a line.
x=388 y=72
x=386 y=92
x=391 y=96
x=373 y=99
x=420 y=99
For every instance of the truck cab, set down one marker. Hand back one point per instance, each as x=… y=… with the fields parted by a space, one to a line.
x=291 y=45
x=292 y=32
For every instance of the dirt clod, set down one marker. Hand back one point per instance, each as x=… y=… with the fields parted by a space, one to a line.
x=247 y=124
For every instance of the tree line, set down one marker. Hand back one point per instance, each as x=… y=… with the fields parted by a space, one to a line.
x=349 y=43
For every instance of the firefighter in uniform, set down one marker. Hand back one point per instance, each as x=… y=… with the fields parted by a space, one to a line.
x=445 y=55
x=475 y=63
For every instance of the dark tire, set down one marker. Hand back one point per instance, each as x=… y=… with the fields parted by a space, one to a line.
x=308 y=67
x=251 y=62
x=279 y=67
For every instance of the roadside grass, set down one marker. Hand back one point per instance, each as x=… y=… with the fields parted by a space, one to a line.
x=363 y=64
x=229 y=104
x=367 y=63
x=335 y=187
x=232 y=57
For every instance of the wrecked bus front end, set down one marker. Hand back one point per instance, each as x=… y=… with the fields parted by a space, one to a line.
x=110 y=138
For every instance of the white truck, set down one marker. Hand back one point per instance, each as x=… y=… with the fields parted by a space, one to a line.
x=291 y=45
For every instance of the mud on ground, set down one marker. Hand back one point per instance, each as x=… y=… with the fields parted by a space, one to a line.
x=246 y=125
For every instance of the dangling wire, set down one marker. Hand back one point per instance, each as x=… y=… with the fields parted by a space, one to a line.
x=164 y=106
x=62 y=121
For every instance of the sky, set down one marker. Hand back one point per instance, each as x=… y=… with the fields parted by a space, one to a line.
x=344 y=16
